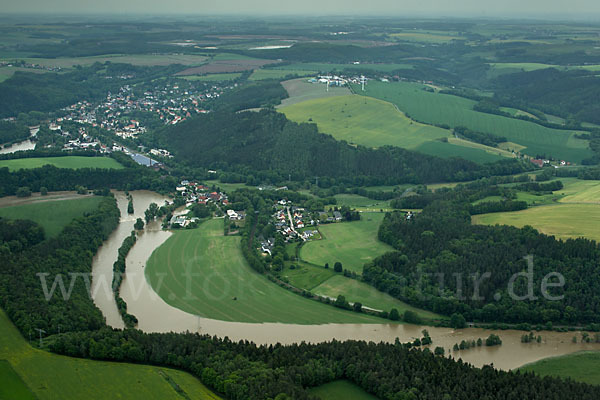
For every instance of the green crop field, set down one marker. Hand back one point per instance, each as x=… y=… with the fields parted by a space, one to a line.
x=341 y=390
x=222 y=286
x=351 y=243
x=212 y=77
x=53 y=216
x=50 y=376
x=447 y=150
x=561 y=220
x=581 y=367
x=579 y=191
x=73 y=162
x=367 y=295
x=437 y=108
x=260 y=74
x=425 y=37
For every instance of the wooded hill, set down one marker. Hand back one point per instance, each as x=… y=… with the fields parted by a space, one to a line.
x=267 y=141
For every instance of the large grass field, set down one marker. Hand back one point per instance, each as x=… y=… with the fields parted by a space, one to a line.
x=561 y=220
x=51 y=376
x=351 y=243
x=581 y=367
x=361 y=203
x=207 y=275
x=363 y=120
x=437 y=108
x=357 y=291
x=374 y=123
x=53 y=216
x=566 y=213
x=341 y=390
x=73 y=162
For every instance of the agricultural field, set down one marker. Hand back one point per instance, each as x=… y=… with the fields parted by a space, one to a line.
x=469 y=152
x=361 y=203
x=565 y=221
x=224 y=287
x=341 y=390
x=52 y=216
x=260 y=74
x=7 y=72
x=134 y=59
x=351 y=243
x=326 y=68
x=73 y=162
x=365 y=121
x=357 y=291
x=239 y=64
x=582 y=367
x=25 y=370
x=437 y=108
x=227 y=187
x=425 y=36
x=213 y=77
x=300 y=90
x=565 y=213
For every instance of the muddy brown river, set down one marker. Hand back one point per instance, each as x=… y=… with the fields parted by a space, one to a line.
x=155 y=315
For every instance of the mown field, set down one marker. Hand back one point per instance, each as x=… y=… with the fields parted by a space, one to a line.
x=374 y=123
x=566 y=213
x=581 y=367
x=351 y=243
x=300 y=90
x=341 y=390
x=365 y=121
x=50 y=376
x=73 y=162
x=207 y=275
x=53 y=216
x=362 y=203
x=436 y=108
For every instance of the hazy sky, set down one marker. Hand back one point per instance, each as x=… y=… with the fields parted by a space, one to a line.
x=484 y=8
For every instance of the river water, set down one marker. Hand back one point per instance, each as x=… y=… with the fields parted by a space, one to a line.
x=21 y=146
x=155 y=315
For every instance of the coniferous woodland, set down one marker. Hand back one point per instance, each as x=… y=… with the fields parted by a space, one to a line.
x=440 y=242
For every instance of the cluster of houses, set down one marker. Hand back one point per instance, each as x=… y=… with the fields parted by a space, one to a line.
x=541 y=163
x=196 y=193
x=23 y=64
x=170 y=102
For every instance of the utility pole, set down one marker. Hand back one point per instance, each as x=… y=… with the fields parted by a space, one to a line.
x=40 y=331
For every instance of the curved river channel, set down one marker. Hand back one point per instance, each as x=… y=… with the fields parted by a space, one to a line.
x=155 y=315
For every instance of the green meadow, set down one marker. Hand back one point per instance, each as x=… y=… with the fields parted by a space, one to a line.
x=53 y=216
x=361 y=203
x=300 y=90
x=437 y=108
x=25 y=370
x=566 y=213
x=363 y=120
x=582 y=367
x=351 y=243
x=341 y=390
x=222 y=286
x=73 y=162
